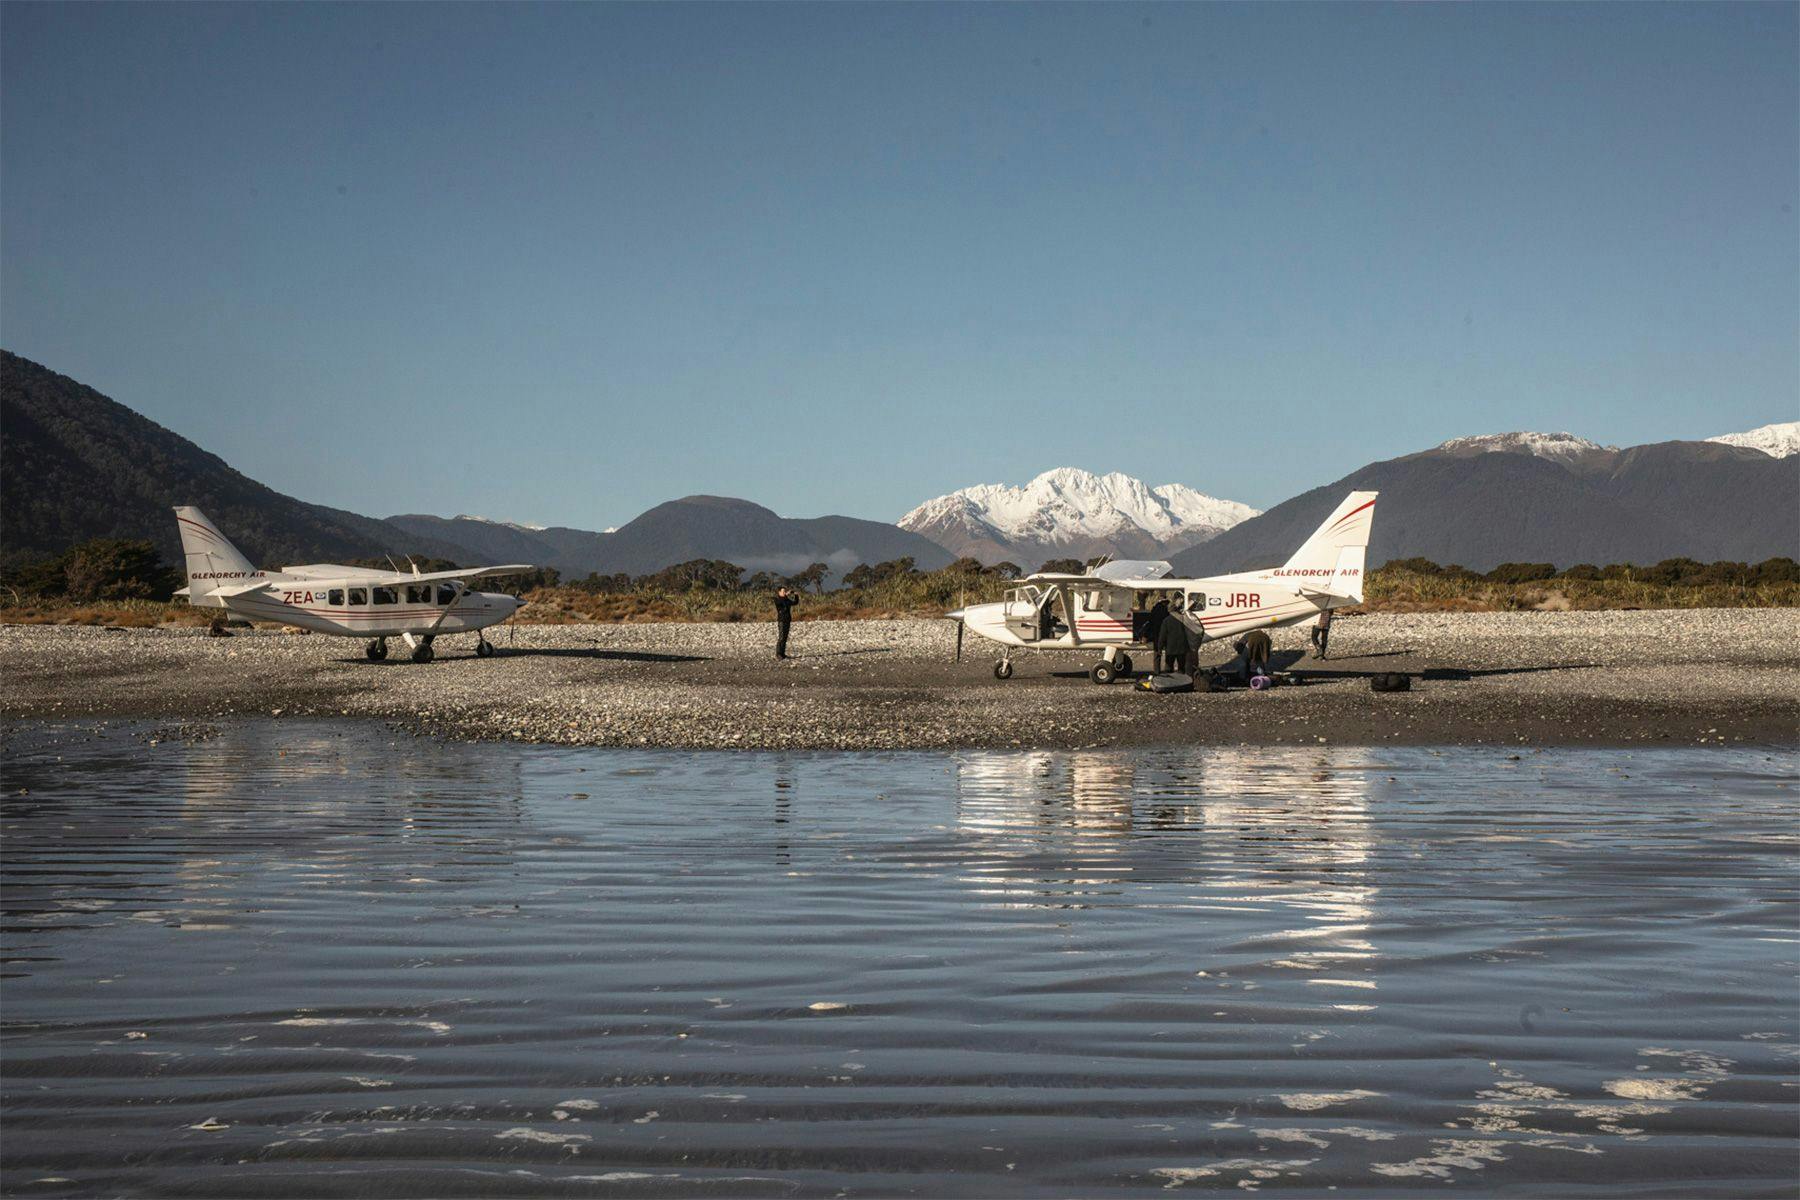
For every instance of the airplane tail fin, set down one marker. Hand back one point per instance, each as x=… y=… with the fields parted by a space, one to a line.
x=1336 y=549
x=212 y=561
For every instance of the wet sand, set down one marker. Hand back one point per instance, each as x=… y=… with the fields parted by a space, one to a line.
x=1720 y=676
x=316 y=958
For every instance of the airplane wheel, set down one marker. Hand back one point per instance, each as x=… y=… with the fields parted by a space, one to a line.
x=1103 y=673
x=377 y=650
x=1003 y=670
x=422 y=653
x=484 y=649
x=1125 y=664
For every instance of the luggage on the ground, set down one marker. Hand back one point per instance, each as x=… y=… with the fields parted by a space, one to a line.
x=1166 y=682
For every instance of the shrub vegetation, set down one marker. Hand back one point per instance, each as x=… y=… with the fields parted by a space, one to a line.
x=119 y=582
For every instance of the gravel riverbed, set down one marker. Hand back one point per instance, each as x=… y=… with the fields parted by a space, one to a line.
x=1607 y=678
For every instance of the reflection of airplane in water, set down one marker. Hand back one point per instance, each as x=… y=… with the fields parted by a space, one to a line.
x=1238 y=831
x=351 y=808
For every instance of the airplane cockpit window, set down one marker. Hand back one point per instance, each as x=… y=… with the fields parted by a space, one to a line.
x=446 y=594
x=359 y=596
x=335 y=597
x=418 y=593
x=385 y=595
x=1029 y=593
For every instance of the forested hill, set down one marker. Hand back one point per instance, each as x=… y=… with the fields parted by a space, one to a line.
x=76 y=465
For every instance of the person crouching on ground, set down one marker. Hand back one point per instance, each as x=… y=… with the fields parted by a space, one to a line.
x=784 y=619
x=1172 y=645
x=1255 y=647
x=1321 y=632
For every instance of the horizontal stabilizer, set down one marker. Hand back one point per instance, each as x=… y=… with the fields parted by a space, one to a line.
x=242 y=589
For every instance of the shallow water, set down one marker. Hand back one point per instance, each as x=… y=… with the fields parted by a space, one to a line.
x=319 y=959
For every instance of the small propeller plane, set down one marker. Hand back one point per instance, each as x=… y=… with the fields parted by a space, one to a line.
x=340 y=600
x=1109 y=609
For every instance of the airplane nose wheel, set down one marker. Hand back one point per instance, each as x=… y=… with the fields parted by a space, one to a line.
x=376 y=650
x=422 y=653
x=484 y=649
x=1003 y=669
x=1103 y=673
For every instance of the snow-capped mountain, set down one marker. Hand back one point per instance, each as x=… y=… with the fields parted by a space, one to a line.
x=507 y=524
x=1557 y=447
x=1070 y=513
x=1777 y=441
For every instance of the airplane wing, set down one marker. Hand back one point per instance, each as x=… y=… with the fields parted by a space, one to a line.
x=1127 y=570
x=465 y=573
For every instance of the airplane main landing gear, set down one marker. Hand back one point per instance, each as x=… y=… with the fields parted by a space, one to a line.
x=376 y=650
x=483 y=647
x=422 y=653
x=1003 y=669
x=1103 y=672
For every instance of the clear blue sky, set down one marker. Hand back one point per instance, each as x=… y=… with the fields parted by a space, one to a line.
x=560 y=263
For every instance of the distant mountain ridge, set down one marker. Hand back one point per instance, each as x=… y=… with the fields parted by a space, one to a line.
x=1779 y=440
x=712 y=527
x=1071 y=513
x=1529 y=497
x=75 y=465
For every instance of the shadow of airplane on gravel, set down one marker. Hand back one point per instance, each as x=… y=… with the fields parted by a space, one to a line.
x=646 y=656
x=1320 y=670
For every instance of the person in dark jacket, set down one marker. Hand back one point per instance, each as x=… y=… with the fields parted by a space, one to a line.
x=1321 y=631
x=784 y=617
x=1255 y=647
x=1159 y=614
x=1172 y=645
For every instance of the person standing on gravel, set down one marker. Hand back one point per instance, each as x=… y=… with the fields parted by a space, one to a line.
x=1172 y=644
x=1321 y=632
x=784 y=618
x=1153 y=624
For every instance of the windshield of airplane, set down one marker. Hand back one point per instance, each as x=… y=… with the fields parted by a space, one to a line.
x=1029 y=593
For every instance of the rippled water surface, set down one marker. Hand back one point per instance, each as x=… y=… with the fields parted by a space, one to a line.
x=319 y=959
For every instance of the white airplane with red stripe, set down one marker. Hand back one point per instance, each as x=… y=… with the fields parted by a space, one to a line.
x=345 y=601
x=1109 y=609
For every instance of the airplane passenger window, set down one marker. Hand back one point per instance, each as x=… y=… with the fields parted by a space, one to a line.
x=359 y=596
x=385 y=595
x=418 y=593
x=446 y=594
x=1197 y=601
x=335 y=597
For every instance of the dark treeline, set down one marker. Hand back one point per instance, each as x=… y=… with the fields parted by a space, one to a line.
x=106 y=569
x=1670 y=572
